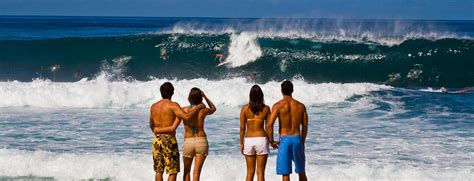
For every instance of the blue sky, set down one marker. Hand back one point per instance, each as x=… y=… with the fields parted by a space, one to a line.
x=372 y=9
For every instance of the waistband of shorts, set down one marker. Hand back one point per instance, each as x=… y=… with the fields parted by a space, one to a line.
x=195 y=139
x=255 y=138
x=165 y=135
x=290 y=137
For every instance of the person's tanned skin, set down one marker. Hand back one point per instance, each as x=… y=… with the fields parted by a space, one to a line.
x=293 y=121
x=165 y=116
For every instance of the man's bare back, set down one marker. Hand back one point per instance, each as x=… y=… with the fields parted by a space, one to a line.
x=291 y=114
x=293 y=129
x=162 y=114
x=165 y=116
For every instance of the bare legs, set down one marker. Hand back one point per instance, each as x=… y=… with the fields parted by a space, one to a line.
x=187 y=168
x=198 y=167
x=261 y=162
x=159 y=177
x=172 y=177
x=199 y=162
x=250 y=160
x=302 y=177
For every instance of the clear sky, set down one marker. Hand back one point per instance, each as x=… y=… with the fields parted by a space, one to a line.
x=371 y=9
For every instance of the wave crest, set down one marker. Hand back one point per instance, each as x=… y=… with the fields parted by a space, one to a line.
x=243 y=49
x=383 y=32
x=102 y=93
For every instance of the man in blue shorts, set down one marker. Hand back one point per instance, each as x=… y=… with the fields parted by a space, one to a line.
x=292 y=116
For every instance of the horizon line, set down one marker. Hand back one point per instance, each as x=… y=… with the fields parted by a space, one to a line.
x=205 y=17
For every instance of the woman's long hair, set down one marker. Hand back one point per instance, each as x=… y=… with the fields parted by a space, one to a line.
x=195 y=96
x=256 y=102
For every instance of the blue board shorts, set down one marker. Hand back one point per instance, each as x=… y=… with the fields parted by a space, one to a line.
x=290 y=148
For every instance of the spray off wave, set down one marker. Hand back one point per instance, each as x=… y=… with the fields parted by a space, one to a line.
x=382 y=32
x=243 y=49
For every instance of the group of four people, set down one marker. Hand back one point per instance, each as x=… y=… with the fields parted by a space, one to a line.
x=256 y=133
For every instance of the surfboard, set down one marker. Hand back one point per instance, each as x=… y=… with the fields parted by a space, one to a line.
x=221 y=63
x=462 y=91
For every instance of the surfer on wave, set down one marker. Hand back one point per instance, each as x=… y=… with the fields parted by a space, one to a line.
x=445 y=91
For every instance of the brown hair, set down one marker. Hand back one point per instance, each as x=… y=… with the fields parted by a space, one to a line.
x=195 y=96
x=256 y=102
x=287 y=88
x=167 y=90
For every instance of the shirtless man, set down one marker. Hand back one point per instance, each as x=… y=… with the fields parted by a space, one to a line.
x=293 y=121
x=163 y=117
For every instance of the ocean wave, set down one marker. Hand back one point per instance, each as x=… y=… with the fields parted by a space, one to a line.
x=444 y=62
x=138 y=166
x=243 y=49
x=101 y=92
x=338 y=36
x=388 y=33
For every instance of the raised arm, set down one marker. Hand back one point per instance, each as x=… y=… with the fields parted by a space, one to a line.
x=243 y=127
x=271 y=122
x=212 y=107
x=182 y=115
x=304 y=124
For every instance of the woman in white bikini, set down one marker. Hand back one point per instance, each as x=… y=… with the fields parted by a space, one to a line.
x=253 y=138
x=195 y=141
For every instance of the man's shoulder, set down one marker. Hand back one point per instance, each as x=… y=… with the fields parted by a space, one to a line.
x=154 y=105
x=298 y=103
x=164 y=104
x=279 y=104
x=301 y=106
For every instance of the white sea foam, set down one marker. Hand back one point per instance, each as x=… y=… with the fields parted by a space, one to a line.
x=100 y=92
x=130 y=166
x=243 y=49
x=430 y=89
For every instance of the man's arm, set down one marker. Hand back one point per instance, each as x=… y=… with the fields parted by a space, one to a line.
x=182 y=115
x=243 y=127
x=304 y=124
x=271 y=122
x=152 y=123
x=169 y=129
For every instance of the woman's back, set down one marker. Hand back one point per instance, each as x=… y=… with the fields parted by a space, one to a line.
x=255 y=123
x=194 y=127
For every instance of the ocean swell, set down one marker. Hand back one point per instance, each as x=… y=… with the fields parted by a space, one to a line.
x=102 y=93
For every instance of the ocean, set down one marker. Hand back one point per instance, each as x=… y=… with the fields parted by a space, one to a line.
x=75 y=93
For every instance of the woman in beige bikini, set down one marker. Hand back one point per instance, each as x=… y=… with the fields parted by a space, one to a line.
x=253 y=138
x=195 y=142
